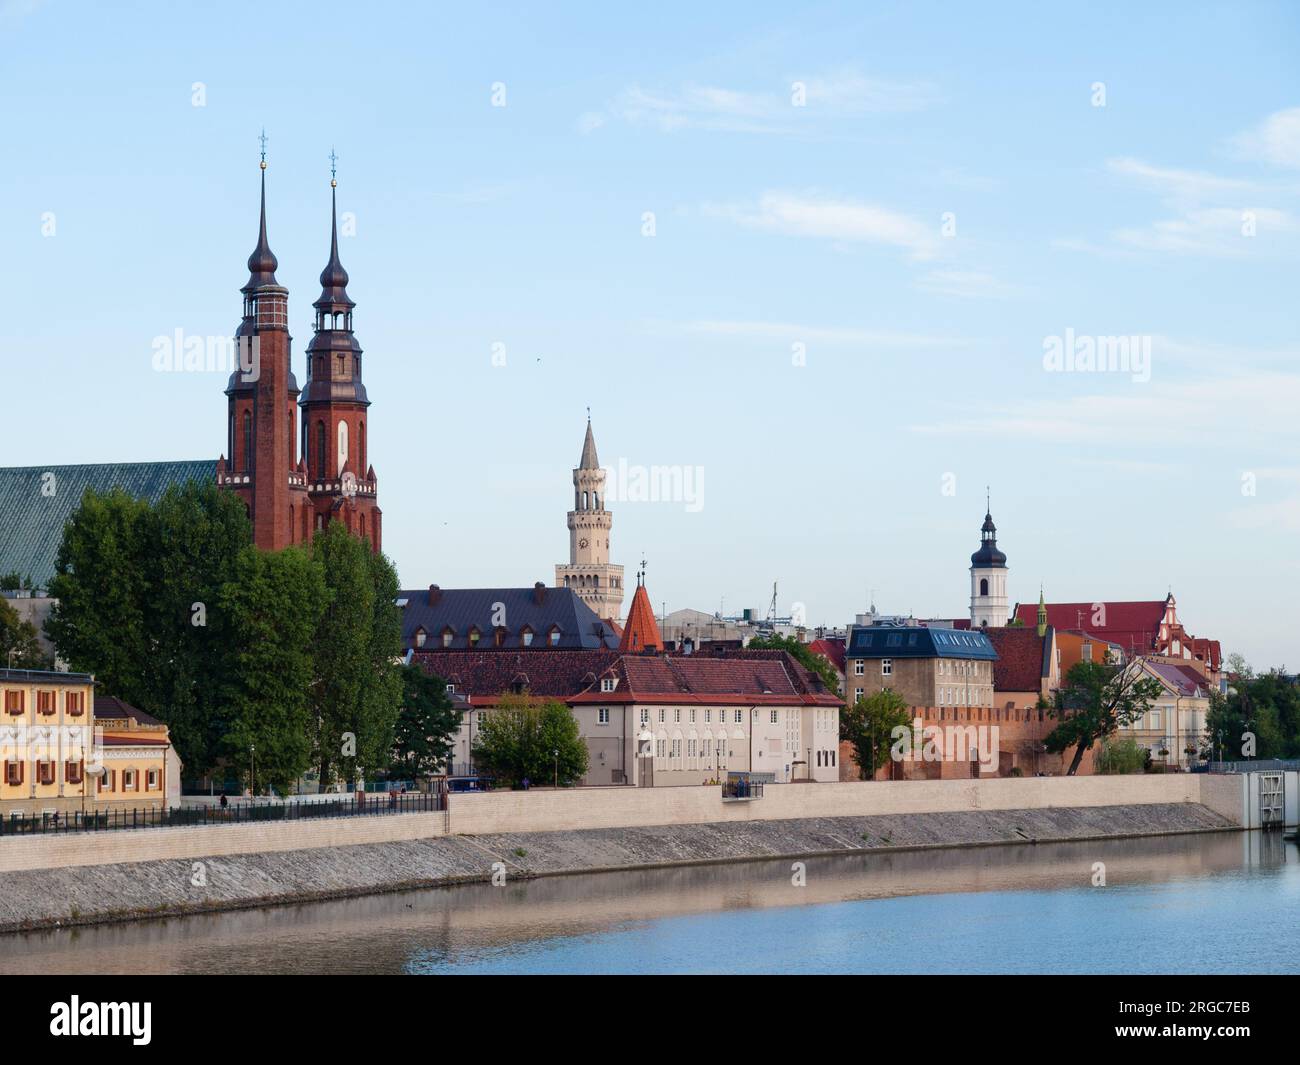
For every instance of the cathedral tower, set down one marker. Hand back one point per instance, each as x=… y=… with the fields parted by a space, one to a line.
x=337 y=470
x=261 y=395
x=589 y=573
x=988 y=580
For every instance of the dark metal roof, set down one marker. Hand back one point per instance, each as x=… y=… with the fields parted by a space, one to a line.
x=32 y=520
x=463 y=609
x=334 y=279
x=988 y=555
x=262 y=263
x=891 y=641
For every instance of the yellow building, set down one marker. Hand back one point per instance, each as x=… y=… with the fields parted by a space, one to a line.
x=46 y=741
x=140 y=769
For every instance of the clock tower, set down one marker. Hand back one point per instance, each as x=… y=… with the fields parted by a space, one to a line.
x=589 y=573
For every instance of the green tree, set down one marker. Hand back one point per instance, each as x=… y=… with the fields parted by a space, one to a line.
x=1259 y=717
x=426 y=725
x=1096 y=701
x=1121 y=756
x=357 y=691
x=98 y=624
x=520 y=739
x=137 y=586
x=20 y=638
x=269 y=612
x=803 y=654
x=869 y=725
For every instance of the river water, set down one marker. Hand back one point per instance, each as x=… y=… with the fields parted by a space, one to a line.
x=1218 y=903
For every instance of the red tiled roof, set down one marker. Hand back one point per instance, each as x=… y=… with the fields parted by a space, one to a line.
x=641 y=631
x=751 y=678
x=485 y=675
x=1134 y=626
x=1020 y=666
x=832 y=650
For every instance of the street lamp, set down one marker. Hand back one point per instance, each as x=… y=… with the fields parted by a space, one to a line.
x=252 y=772
x=556 y=752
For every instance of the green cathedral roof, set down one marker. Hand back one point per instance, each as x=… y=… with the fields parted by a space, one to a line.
x=37 y=501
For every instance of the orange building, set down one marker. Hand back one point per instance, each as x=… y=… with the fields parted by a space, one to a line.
x=45 y=741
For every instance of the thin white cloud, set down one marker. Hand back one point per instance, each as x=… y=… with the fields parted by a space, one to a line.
x=1209 y=215
x=797 y=105
x=1276 y=140
x=811 y=214
x=1157 y=414
x=792 y=332
x=966 y=284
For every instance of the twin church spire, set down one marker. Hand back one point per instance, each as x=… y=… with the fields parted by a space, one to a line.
x=294 y=483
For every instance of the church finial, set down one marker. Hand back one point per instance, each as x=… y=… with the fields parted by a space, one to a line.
x=333 y=169
x=262 y=139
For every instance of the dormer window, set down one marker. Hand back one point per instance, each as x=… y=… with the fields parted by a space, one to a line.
x=608 y=684
x=420 y=637
x=553 y=637
x=499 y=637
x=474 y=635
x=451 y=689
x=448 y=634
x=526 y=636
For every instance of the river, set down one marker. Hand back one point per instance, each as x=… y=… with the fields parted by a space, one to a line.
x=1219 y=903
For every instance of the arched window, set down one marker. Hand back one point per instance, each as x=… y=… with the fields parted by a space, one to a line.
x=361 y=449
x=343 y=444
x=248 y=441
x=984 y=586
x=321 y=454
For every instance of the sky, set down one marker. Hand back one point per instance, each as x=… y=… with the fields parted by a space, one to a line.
x=822 y=263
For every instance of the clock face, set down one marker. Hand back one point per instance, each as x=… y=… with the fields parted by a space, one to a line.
x=582 y=542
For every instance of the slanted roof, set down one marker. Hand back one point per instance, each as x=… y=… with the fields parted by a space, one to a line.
x=918 y=641
x=483 y=676
x=1135 y=626
x=1023 y=659
x=641 y=630
x=36 y=502
x=535 y=609
x=111 y=708
x=831 y=649
x=1183 y=681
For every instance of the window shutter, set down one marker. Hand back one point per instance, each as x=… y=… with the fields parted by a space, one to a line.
x=4 y=778
x=22 y=766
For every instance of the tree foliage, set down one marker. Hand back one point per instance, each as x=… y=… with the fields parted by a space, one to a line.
x=869 y=724
x=1122 y=756
x=426 y=724
x=803 y=654
x=521 y=739
x=1095 y=702
x=1258 y=718
x=269 y=611
x=136 y=587
x=20 y=638
x=357 y=691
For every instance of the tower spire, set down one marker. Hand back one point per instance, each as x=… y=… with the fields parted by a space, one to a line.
x=262 y=263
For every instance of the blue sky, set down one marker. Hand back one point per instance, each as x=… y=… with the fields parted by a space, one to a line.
x=821 y=225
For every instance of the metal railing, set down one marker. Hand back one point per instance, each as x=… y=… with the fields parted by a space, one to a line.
x=1259 y=765
x=742 y=789
x=234 y=814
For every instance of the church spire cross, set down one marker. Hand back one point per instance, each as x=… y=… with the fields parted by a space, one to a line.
x=262 y=139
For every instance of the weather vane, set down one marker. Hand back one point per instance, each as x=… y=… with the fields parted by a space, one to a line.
x=333 y=169
x=262 y=138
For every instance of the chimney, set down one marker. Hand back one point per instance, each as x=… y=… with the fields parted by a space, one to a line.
x=539 y=593
x=435 y=593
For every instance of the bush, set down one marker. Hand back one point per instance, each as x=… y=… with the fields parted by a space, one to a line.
x=1121 y=756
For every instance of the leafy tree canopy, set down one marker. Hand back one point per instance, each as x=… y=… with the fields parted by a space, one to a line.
x=521 y=739
x=869 y=724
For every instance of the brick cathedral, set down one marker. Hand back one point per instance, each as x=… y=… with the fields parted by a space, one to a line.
x=294 y=484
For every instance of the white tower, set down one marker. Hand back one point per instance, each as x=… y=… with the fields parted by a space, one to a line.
x=988 y=580
x=589 y=573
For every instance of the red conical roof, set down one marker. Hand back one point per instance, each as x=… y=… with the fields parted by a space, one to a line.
x=641 y=631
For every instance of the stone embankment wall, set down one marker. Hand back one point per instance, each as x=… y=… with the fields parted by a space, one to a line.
x=590 y=808
x=82 y=894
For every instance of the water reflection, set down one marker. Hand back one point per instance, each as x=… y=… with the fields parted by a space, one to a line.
x=716 y=918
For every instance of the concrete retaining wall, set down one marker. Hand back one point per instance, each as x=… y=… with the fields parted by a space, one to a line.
x=202 y=841
x=552 y=811
x=498 y=813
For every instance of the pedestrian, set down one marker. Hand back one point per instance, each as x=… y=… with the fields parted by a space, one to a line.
x=224 y=801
